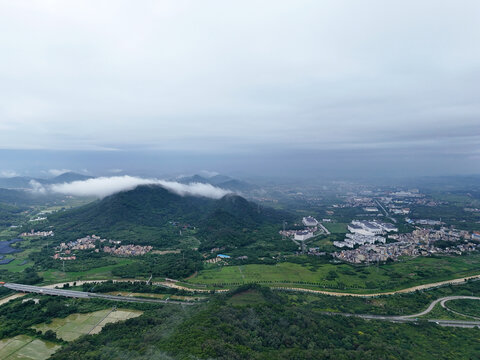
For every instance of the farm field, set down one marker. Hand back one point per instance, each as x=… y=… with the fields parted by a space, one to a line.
x=26 y=347
x=76 y=325
x=409 y=272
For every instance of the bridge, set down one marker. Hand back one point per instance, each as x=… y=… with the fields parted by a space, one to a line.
x=86 y=295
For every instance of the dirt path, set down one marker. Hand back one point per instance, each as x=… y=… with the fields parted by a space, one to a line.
x=11 y=297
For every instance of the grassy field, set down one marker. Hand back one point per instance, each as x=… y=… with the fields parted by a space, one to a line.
x=324 y=243
x=76 y=325
x=26 y=347
x=468 y=307
x=8 y=234
x=411 y=272
x=440 y=313
x=249 y=297
x=53 y=276
x=336 y=228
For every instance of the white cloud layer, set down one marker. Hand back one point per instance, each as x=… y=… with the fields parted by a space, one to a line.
x=105 y=186
x=37 y=188
x=8 y=173
x=58 y=172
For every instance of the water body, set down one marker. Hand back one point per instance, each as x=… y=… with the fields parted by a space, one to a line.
x=5 y=247
x=6 y=261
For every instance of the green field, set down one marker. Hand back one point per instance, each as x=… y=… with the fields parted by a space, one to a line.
x=323 y=243
x=76 y=325
x=467 y=307
x=403 y=274
x=26 y=347
x=336 y=228
x=55 y=276
x=249 y=297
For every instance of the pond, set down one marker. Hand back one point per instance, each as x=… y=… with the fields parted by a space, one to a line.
x=5 y=247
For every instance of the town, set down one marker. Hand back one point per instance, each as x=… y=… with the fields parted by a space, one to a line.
x=420 y=242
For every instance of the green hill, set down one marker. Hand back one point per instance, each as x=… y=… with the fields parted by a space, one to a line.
x=151 y=215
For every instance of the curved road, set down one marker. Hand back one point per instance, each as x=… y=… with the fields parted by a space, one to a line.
x=414 y=317
x=442 y=302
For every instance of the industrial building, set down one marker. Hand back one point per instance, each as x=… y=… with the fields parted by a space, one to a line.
x=303 y=235
x=309 y=221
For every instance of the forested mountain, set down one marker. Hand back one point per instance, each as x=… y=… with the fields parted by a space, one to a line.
x=67 y=177
x=16 y=182
x=148 y=212
x=24 y=182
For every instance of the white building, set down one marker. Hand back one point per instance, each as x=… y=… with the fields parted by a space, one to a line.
x=303 y=235
x=309 y=221
x=367 y=228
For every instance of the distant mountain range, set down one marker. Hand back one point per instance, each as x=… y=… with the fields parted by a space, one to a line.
x=146 y=213
x=223 y=181
x=23 y=182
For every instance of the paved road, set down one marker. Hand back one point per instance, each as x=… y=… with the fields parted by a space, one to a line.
x=414 y=317
x=86 y=295
x=385 y=211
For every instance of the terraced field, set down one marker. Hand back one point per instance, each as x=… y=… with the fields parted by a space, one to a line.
x=26 y=347
x=76 y=325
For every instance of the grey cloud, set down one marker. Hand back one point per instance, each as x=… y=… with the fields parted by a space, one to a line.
x=240 y=78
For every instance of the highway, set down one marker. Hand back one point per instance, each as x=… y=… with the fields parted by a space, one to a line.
x=86 y=295
x=414 y=317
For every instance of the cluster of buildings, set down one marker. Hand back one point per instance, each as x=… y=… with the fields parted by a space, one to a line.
x=420 y=242
x=312 y=227
x=64 y=257
x=365 y=232
x=90 y=242
x=38 y=218
x=128 y=250
x=37 y=233
x=85 y=243
x=315 y=251
x=424 y=222
x=223 y=257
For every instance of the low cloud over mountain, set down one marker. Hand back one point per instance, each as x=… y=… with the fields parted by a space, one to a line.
x=104 y=186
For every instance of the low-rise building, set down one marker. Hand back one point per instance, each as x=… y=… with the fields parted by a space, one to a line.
x=303 y=235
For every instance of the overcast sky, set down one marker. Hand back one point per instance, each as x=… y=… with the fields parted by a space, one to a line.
x=242 y=77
